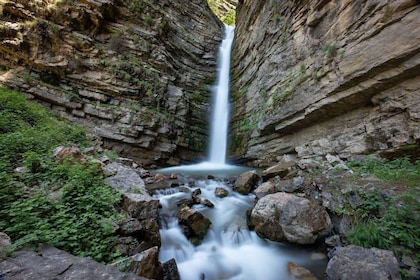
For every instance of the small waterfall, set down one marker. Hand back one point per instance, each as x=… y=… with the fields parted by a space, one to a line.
x=220 y=117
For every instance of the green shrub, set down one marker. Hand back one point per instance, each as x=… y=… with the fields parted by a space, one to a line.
x=65 y=204
x=389 y=222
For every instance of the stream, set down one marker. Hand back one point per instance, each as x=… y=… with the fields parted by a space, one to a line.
x=229 y=250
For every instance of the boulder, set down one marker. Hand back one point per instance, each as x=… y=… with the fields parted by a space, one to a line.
x=141 y=206
x=52 y=263
x=282 y=169
x=194 y=224
x=221 y=192
x=355 y=262
x=124 y=178
x=144 y=264
x=5 y=242
x=285 y=217
x=170 y=270
x=265 y=189
x=246 y=182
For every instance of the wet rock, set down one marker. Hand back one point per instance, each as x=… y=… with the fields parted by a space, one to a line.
x=297 y=272
x=52 y=263
x=5 y=242
x=144 y=264
x=196 y=223
x=207 y=203
x=221 y=192
x=355 y=262
x=246 y=182
x=170 y=270
x=286 y=217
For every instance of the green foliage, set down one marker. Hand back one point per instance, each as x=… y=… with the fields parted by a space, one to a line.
x=390 y=170
x=389 y=222
x=229 y=18
x=64 y=204
x=397 y=228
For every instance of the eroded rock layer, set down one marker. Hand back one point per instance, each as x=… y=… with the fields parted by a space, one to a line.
x=138 y=73
x=318 y=77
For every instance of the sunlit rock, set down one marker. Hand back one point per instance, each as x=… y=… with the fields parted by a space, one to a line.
x=196 y=224
x=246 y=182
x=286 y=217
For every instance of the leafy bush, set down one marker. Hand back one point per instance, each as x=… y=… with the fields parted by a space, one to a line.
x=390 y=222
x=65 y=204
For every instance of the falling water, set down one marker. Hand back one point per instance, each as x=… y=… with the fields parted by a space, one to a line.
x=220 y=118
x=229 y=250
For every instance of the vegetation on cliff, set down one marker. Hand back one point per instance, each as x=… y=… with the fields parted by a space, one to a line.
x=225 y=10
x=43 y=200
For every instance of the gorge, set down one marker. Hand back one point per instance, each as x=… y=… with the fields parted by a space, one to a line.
x=139 y=75
x=314 y=84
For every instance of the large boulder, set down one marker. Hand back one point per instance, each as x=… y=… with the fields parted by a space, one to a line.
x=52 y=263
x=285 y=217
x=144 y=212
x=355 y=262
x=246 y=182
x=195 y=225
x=141 y=206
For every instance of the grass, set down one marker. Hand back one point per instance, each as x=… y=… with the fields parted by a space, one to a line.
x=385 y=221
x=65 y=204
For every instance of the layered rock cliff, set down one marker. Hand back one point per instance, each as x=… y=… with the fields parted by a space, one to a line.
x=318 y=77
x=138 y=73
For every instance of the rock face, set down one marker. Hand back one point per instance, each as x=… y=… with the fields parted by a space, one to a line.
x=285 y=217
x=319 y=77
x=137 y=73
x=51 y=263
x=354 y=262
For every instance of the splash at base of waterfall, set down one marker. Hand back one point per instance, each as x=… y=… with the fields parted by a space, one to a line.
x=229 y=250
x=204 y=169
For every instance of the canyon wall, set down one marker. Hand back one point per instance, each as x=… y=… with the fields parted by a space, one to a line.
x=137 y=73
x=327 y=76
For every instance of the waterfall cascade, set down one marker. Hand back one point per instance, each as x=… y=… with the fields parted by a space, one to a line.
x=220 y=117
x=229 y=250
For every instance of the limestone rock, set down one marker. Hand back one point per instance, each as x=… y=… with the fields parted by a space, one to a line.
x=285 y=217
x=144 y=264
x=124 y=178
x=52 y=263
x=140 y=206
x=281 y=169
x=196 y=224
x=138 y=78
x=316 y=78
x=354 y=262
x=246 y=182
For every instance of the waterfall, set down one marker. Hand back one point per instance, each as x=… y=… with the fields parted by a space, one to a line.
x=229 y=250
x=220 y=116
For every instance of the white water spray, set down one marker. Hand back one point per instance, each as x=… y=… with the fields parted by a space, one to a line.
x=220 y=118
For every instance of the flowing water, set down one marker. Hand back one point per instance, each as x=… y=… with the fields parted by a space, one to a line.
x=229 y=250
